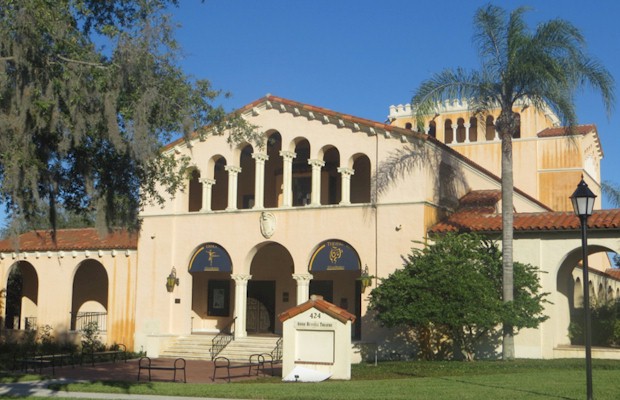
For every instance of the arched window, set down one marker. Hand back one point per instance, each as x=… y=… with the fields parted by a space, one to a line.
x=448 y=133
x=330 y=177
x=517 y=132
x=408 y=125
x=302 y=174
x=245 y=183
x=490 y=128
x=473 y=129
x=273 y=171
x=360 y=181
x=432 y=129
x=219 y=196
x=460 y=130
x=195 y=191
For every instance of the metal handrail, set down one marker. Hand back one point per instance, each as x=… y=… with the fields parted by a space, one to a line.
x=276 y=354
x=221 y=340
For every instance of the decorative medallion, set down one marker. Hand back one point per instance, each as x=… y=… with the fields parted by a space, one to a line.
x=267 y=224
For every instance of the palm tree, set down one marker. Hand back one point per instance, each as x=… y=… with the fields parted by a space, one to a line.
x=612 y=191
x=542 y=68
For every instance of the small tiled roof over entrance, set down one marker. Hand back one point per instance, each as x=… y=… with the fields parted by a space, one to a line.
x=476 y=213
x=71 y=239
x=317 y=302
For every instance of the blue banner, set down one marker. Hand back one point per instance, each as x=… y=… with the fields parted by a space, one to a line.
x=210 y=257
x=335 y=255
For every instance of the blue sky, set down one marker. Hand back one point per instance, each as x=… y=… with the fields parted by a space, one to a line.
x=361 y=56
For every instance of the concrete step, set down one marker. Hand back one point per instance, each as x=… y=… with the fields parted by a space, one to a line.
x=198 y=347
x=239 y=350
x=194 y=347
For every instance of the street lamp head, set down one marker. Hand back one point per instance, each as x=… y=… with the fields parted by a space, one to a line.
x=583 y=200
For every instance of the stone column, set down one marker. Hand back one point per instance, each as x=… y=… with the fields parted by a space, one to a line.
x=315 y=197
x=303 y=287
x=241 y=301
x=345 y=186
x=287 y=177
x=259 y=179
x=233 y=171
x=455 y=128
x=467 y=126
x=207 y=186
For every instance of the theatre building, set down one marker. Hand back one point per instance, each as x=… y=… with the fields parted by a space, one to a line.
x=259 y=229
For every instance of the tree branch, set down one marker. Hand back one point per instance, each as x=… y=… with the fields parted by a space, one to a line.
x=91 y=64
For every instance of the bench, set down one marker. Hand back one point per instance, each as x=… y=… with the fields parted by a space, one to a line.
x=255 y=360
x=121 y=351
x=146 y=363
x=46 y=360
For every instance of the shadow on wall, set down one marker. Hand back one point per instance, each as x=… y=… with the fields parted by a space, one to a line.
x=408 y=344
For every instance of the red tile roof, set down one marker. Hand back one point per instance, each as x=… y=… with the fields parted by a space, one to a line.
x=480 y=201
x=71 y=239
x=563 y=131
x=321 y=305
x=613 y=272
x=475 y=214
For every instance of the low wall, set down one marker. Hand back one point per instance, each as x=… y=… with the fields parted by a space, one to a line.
x=579 y=352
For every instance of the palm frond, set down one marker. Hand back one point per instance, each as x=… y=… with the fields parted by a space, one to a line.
x=446 y=85
x=612 y=191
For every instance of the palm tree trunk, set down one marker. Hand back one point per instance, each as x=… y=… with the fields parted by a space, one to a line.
x=508 y=347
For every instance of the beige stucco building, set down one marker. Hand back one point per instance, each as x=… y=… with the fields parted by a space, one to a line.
x=258 y=230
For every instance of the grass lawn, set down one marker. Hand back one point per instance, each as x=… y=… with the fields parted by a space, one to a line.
x=520 y=379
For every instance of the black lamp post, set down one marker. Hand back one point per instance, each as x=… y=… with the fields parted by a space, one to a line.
x=583 y=204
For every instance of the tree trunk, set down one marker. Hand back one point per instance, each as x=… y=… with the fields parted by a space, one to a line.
x=508 y=347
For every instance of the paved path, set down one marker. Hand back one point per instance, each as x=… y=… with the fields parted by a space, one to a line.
x=197 y=372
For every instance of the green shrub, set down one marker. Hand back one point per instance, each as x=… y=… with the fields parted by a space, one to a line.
x=605 y=323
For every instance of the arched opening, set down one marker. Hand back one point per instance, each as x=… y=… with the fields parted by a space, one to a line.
x=408 y=126
x=271 y=290
x=331 y=186
x=473 y=129
x=569 y=302
x=195 y=191
x=302 y=174
x=610 y=294
x=210 y=267
x=601 y=294
x=273 y=171
x=360 y=180
x=219 y=194
x=336 y=268
x=490 y=129
x=245 y=183
x=517 y=132
x=89 y=302
x=432 y=129
x=448 y=134
x=22 y=293
x=578 y=294
x=460 y=130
